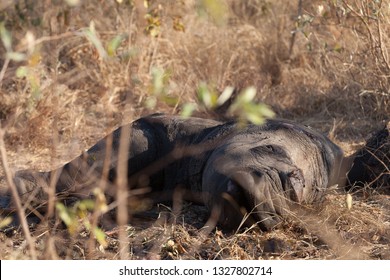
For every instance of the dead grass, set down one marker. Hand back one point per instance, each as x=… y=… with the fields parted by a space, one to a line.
x=332 y=76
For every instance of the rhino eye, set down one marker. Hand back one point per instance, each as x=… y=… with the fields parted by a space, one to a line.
x=257 y=173
x=270 y=147
x=274 y=149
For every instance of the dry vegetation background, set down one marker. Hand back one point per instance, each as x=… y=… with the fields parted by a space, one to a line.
x=74 y=73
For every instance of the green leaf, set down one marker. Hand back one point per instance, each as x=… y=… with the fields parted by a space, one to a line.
x=100 y=200
x=5 y=222
x=22 y=72
x=6 y=37
x=90 y=34
x=151 y=102
x=64 y=214
x=68 y=216
x=128 y=54
x=266 y=111
x=114 y=44
x=157 y=81
x=100 y=236
x=207 y=96
x=254 y=117
x=247 y=110
x=170 y=100
x=188 y=109
x=225 y=95
x=338 y=48
x=178 y=24
x=248 y=95
x=154 y=31
x=16 y=56
x=86 y=204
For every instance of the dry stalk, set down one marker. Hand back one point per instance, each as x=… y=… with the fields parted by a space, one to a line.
x=292 y=41
x=374 y=43
x=387 y=171
x=3 y=70
x=102 y=187
x=51 y=192
x=383 y=52
x=16 y=197
x=317 y=224
x=361 y=18
x=44 y=39
x=122 y=193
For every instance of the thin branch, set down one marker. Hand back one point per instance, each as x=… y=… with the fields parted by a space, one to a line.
x=16 y=197
x=372 y=40
x=383 y=52
x=3 y=70
x=24 y=47
x=51 y=191
x=122 y=192
x=292 y=42
x=100 y=196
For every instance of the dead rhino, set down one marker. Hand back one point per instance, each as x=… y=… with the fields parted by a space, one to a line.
x=232 y=169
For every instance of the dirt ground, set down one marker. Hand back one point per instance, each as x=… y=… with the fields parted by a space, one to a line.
x=71 y=74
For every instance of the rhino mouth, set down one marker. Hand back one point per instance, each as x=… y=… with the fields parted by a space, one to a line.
x=260 y=195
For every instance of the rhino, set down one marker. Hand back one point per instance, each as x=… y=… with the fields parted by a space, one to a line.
x=235 y=170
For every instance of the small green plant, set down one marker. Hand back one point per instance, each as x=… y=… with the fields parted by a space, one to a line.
x=159 y=89
x=92 y=36
x=77 y=216
x=4 y=222
x=247 y=110
x=114 y=44
x=31 y=56
x=188 y=109
x=207 y=96
x=6 y=38
x=244 y=107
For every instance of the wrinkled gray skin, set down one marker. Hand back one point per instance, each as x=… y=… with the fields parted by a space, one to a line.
x=231 y=169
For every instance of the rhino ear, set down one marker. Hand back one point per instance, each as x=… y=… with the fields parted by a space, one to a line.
x=297 y=182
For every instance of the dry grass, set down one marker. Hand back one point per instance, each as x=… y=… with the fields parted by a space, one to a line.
x=333 y=76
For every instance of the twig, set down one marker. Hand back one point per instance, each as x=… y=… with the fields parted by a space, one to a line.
x=44 y=39
x=16 y=197
x=372 y=40
x=383 y=52
x=102 y=187
x=3 y=69
x=292 y=42
x=122 y=193
x=378 y=176
x=53 y=175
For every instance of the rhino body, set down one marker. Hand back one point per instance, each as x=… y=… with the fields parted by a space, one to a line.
x=232 y=169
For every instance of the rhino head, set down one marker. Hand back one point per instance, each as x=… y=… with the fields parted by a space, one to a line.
x=261 y=171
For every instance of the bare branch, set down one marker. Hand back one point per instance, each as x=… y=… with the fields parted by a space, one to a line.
x=15 y=196
x=122 y=192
